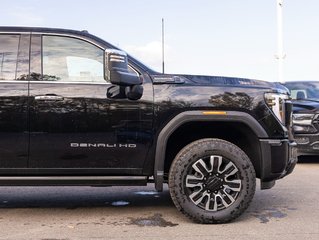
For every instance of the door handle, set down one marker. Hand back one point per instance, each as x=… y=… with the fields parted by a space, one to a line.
x=48 y=98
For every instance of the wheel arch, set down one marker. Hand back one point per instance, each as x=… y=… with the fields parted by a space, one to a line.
x=183 y=118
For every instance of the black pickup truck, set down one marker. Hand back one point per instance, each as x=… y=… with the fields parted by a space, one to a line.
x=75 y=110
x=305 y=99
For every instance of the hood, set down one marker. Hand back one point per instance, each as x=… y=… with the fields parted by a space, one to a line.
x=306 y=106
x=218 y=80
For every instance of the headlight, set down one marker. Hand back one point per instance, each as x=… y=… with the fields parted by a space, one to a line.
x=276 y=102
x=302 y=118
x=302 y=123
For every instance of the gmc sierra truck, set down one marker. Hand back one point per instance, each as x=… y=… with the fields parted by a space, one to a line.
x=305 y=99
x=75 y=110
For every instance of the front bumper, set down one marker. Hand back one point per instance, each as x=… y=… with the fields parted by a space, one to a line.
x=307 y=144
x=279 y=158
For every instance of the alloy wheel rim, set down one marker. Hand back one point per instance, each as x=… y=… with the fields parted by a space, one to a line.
x=213 y=183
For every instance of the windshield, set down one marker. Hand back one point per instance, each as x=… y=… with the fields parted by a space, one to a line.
x=303 y=90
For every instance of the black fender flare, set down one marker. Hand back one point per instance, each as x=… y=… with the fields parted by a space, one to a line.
x=190 y=116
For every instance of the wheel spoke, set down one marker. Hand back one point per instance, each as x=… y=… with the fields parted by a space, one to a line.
x=229 y=168
x=235 y=170
x=208 y=203
x=192 y=181
x=234 y=185
x=215 y=205
x=198 y=196
x=200 y=167
x=226 y=198
x=215 y=162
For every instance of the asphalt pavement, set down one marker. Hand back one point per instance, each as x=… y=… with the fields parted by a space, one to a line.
x=290 y=210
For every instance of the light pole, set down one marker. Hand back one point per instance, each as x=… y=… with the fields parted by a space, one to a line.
x=280 y=54
x=163 y=60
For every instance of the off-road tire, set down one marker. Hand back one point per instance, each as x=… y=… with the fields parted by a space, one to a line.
x=180 y=176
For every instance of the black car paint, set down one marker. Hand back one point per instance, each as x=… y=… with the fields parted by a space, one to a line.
x=310 y=147
x=306 y=106
x=36 y=136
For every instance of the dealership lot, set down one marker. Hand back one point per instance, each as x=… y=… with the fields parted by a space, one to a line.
x=288 y=211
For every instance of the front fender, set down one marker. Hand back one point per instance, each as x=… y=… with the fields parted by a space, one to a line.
x=189 y=116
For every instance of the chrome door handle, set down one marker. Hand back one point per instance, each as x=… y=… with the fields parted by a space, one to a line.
x=48 y=98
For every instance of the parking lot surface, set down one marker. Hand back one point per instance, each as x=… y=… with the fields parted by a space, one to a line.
x=290 y=210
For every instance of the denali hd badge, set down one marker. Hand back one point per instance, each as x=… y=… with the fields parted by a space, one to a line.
x=102 y=145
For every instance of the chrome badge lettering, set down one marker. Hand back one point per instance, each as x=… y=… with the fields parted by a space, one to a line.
x=102 y=145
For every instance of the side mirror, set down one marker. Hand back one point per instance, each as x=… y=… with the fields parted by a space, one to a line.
x=116 y=69
x=134 y=92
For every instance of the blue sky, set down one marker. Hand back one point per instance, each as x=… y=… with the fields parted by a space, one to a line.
x=208 y=37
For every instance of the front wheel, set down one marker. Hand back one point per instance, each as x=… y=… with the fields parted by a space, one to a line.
x=212 y=181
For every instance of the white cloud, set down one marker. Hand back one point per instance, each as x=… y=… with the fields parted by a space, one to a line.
x=150 y=53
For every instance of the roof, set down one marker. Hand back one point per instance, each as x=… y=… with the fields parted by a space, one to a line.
x=40 y=29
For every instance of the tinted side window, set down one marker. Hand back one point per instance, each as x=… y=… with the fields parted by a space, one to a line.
x=9 y=45
x=71 y=60
x=303 y=90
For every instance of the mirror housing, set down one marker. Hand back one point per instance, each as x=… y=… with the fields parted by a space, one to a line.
x=134 y=92
x=116 y=69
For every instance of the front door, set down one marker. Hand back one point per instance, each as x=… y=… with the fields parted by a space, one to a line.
x=74 y=127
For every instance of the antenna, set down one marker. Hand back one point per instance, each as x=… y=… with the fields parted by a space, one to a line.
x=163 y=64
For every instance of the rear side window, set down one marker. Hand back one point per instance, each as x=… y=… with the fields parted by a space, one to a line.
x=9 y=45
x=67 y=59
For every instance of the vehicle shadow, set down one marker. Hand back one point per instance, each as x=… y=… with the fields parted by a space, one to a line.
x=82 y=197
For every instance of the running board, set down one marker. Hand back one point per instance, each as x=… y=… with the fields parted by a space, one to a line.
x=73 y=181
